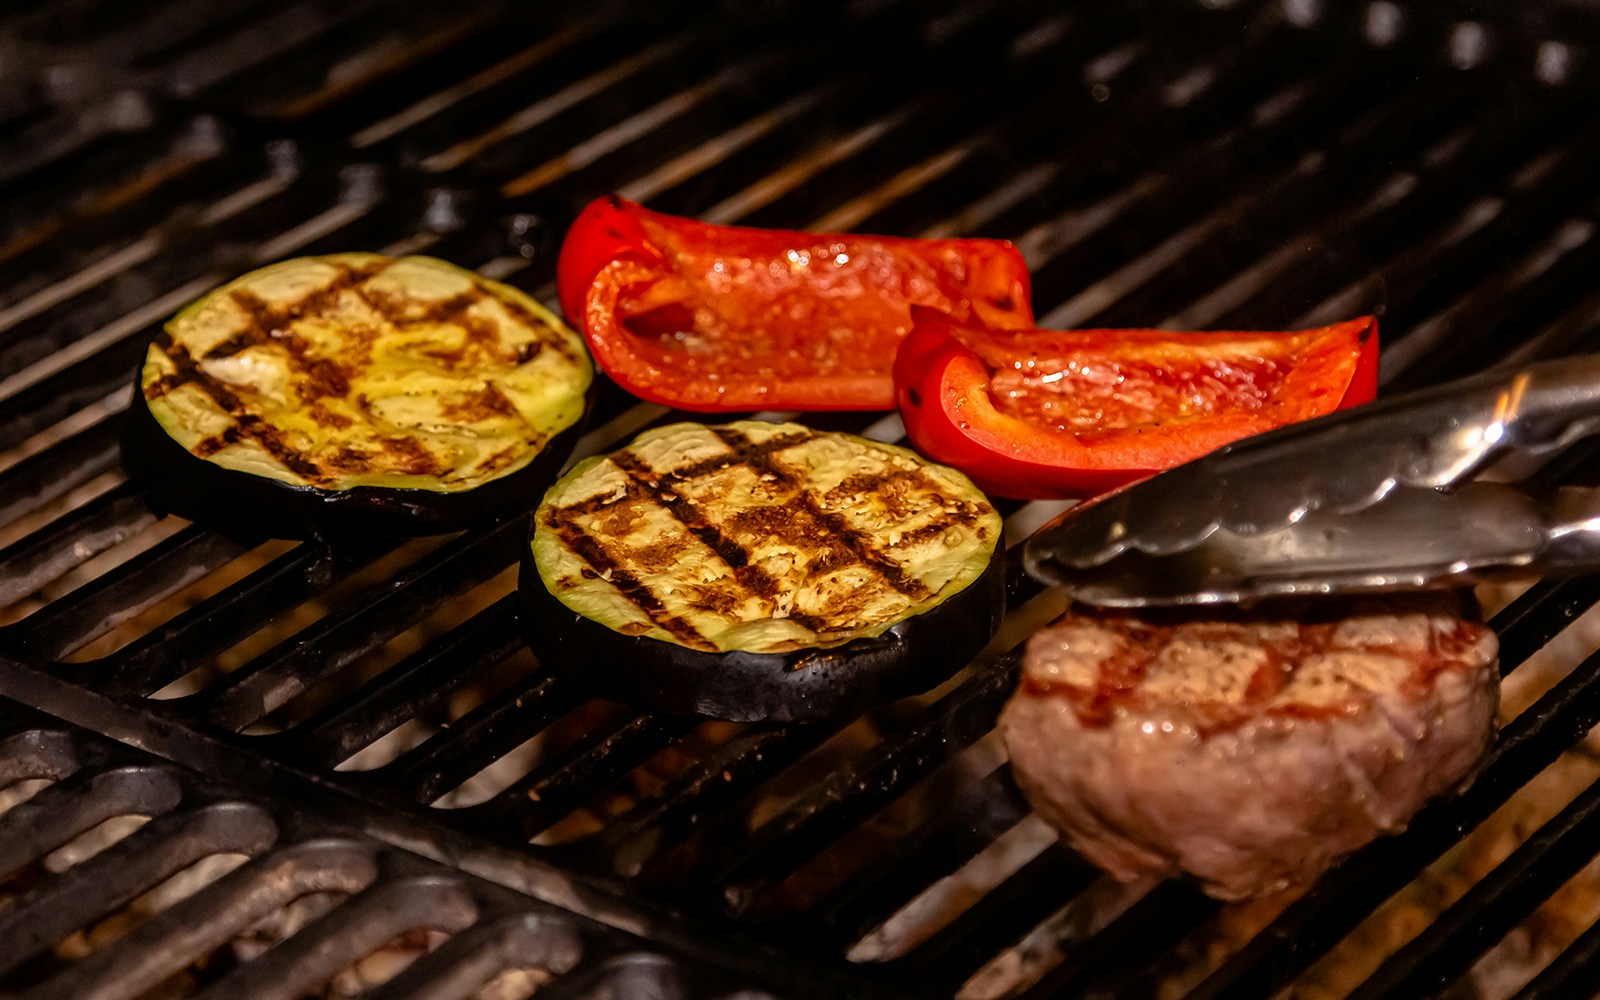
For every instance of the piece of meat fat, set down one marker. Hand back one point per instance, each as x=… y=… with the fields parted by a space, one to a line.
x=1251 y=750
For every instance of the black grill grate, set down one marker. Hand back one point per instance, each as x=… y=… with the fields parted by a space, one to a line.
x=384 y=894
x=1226 y=164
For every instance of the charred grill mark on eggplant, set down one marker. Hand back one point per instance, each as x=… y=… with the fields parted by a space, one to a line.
x=645 y=486
x=838 y=545
x=317 y=374
x=893 y=490
x=759 y=548
x=267 y=319
x=241 y=341
x=696 y=522
x=612 y=570
x=246 y=423
x=805 y=503
x=636 y=577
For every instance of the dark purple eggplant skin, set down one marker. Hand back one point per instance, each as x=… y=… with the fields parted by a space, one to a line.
x=806 y=685
x=173 y=481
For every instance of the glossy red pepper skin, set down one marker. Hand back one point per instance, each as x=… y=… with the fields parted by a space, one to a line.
x=946 y=377
x=726 y=318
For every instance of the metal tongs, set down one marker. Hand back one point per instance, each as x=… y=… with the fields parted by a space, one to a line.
x=1380 y=497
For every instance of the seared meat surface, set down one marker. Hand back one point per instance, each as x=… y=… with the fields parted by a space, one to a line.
x=1249 y=750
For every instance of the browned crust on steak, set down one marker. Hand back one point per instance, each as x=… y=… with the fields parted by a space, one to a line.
x=1249 y=750
x=1280 y=684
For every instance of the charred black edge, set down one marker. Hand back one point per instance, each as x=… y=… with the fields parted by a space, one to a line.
x=806 y=685
x=174 y=481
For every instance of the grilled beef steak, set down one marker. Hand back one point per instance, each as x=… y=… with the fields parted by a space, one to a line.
x=1251 y=751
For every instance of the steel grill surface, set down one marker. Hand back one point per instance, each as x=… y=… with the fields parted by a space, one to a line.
x=359 y=724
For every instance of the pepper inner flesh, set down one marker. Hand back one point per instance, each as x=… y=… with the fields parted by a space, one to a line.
x=819 y=310
x=1107 y=383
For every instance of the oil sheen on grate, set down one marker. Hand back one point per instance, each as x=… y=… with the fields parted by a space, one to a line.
x=464 y=822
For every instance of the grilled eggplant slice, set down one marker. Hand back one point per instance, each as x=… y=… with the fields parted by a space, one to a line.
x=356 y=392
x=761 y=571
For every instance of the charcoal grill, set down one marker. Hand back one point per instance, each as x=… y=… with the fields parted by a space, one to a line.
x=364 y=716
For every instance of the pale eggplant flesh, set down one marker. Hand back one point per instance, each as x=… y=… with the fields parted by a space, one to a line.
x=356 y=392
x=759 y=571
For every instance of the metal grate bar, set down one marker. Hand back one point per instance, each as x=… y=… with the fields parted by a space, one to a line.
x=53 y=224
x=724 y=776
x=275 y=677
x=472 y=958
x=392 y=893
x=1466 y=328
x=1574 y=970
x=558 y=70
x=438 y=101
x=1000 y=918
x=980 y=813
x=314 y=209
x=168 y=941
x=1245 y=95
x=112 y=598
x=662 y=52
x=1122 y=954
x=845 y=797
x=317 y=91
x=161 y=29
x=78 y=803
x=284 y=30
x=90 y=343
x=811 y=186
x=1571 y=331
x=635 y=975
x=1315 y=922
x=1441 y=230
x=103 y=238
x=350 y=932
x=1477 y=242
x=157 y=850
x=479 y=738
x=39 y=479
x=70 y=541
x=1284 y=195
x=56 y=397
x=1450 y=945
x=558 y=786
x=656 y=120
x=709 y=154
x=408 y=688
x=1393 y=201
x=211 y=626
x=1540 y=614
x=29 y=755
x=63 y=135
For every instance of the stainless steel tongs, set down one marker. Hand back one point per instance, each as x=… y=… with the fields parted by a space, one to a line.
x=1375 y=498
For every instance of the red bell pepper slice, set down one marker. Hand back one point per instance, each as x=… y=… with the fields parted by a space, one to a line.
x=1041 y=414
x=707 y=317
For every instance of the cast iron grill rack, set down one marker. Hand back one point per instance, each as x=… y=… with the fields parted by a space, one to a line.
x=1217 y=165
x=369 y=897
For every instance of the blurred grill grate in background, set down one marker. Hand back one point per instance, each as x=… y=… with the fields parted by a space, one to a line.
x=1225 y=164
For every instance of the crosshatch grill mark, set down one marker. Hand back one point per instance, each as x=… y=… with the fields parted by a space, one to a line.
x=687 y=513
x=592 y=551
x=849 y=546
x=316 y=378
x=760 y=458
x=246 y=424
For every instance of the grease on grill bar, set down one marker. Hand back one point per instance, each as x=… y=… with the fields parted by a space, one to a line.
x=1254 y=163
